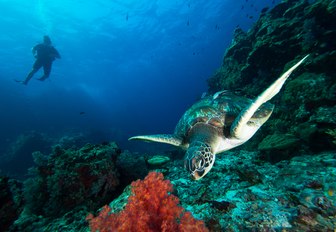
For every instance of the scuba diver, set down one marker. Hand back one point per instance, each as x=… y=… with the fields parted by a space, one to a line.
x=45 y=54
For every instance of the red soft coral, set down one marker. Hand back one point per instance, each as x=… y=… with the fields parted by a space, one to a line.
x=150 y=208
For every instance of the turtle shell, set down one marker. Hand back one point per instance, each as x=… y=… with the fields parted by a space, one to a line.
x=219 y=112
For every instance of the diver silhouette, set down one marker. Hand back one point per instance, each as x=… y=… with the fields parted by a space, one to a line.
x=45 y=54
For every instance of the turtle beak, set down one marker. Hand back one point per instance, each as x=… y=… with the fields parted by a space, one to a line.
x=197 y=175
x=190 y=166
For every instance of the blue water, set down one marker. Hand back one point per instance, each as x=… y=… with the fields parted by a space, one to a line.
x=132 y=66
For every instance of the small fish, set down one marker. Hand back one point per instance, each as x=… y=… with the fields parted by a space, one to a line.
x=82 y=112
x=127 y=17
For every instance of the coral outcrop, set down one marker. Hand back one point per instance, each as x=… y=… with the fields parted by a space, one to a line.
x=71 y=178
x=68 y=183
x=11 y=202
x=131 y=166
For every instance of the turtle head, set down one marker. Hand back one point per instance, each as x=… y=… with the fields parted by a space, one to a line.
x=199 y=159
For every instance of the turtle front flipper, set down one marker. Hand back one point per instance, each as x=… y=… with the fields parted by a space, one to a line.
x=240 y=128
x=160 y=138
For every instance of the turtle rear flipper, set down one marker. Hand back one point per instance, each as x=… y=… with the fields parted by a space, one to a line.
x=160 y=138
x=240 y=128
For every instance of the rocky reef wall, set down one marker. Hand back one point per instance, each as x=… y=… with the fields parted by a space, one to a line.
x=304 y=115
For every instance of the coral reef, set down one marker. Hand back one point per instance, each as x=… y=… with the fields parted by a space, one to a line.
x=131 y=166
x=279 y=142
x=333 y=134
x=134 y=166
x=11 y=202
x=71 y=178
x=256 y=58
x=244 y=193
x=151 y=207
x=65 y=186
x=73 y=140
x=277 y=147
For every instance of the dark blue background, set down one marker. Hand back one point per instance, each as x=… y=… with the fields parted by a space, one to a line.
x=132 y=66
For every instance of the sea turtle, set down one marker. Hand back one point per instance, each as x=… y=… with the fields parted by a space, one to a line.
x=218 y=123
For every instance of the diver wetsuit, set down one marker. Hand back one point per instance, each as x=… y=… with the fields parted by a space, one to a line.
x=45 y=54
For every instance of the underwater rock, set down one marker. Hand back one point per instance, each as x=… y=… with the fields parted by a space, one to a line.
x=257 y=57
x=277 y=147
x=275 y=201
x=278 y=142
x=73 y=220
x=72 y=141
x=308 y=89
x=11 y=201
x=121 y=201
x=325 y=115
x=307 y=131
x=70 y=178
x=332 y=133
x=131 y=166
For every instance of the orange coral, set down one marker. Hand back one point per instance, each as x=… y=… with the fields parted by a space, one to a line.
x=150 y=208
